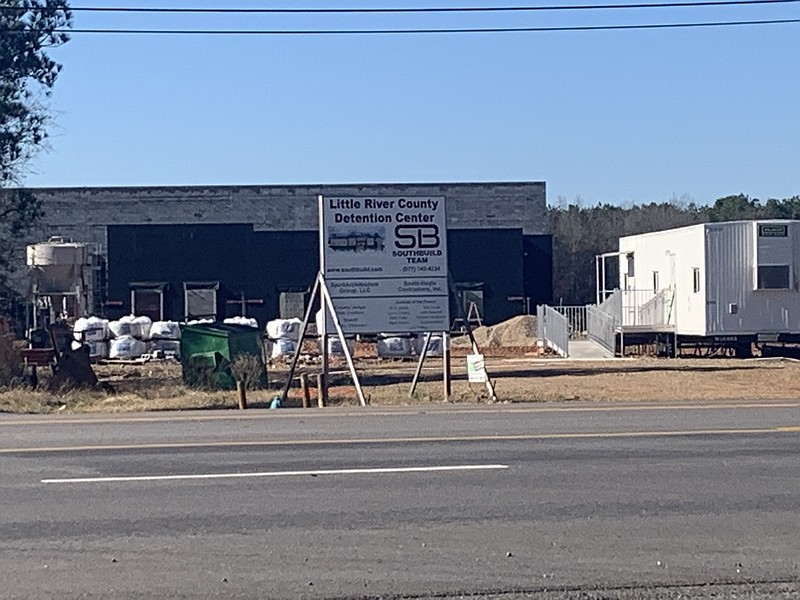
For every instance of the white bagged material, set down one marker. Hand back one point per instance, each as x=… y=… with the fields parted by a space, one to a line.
x=246 y=321
x=170 y=348
x=138 y=327
x=435 y=346
x=394 y=347
x=127 y=346
x=283 y=347
x=165 y=330
x=96 y=349
x=335 y=346
x=143 y=327
x=125 y=326
x=200 y=322
x=278 y=329
x=80 y=327
x=93 y=329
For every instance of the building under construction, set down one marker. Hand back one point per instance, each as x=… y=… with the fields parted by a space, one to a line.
x=183 y=252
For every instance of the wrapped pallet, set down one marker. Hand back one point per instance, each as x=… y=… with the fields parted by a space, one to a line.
x=138 y=327
x=283 y=347
x=165 y=330
x=93 y=329
x=97 y=350
x=123 y=327
x=126 y=346
x=435 y=345
x=279 y=329
x=335 y=347
x=169 y=348
x=142 y=324
x=394 y=346
x=284 y=334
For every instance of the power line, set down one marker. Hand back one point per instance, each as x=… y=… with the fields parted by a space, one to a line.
x=462 y=9
x=278 y=32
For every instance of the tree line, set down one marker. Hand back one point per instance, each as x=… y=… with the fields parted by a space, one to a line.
x=582 y=232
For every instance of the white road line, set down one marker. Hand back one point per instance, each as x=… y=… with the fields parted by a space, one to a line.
x=374 y=471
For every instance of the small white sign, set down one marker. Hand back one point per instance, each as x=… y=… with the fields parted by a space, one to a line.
x=476 y=368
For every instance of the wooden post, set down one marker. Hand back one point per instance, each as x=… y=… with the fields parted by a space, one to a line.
x=322 y=391
x=417 y=373
x=241 y=394
x=304 y=387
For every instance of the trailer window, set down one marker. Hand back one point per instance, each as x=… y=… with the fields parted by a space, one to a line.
x=695 y=280
x=773 y=277
x=631 y=267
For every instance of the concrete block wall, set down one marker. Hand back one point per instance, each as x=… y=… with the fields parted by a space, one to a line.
x=83 y=214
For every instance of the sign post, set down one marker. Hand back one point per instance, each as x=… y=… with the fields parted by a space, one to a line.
x=383 y=264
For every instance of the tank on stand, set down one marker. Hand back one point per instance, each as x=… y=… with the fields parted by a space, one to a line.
x=63 y=281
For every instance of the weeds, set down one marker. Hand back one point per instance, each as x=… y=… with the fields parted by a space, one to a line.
x=250 y=370
x=10 y=360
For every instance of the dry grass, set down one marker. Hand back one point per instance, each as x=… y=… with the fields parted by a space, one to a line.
x=157 y=385
x=10 y=359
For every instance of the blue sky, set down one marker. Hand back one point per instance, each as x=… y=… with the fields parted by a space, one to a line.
x=605 y=116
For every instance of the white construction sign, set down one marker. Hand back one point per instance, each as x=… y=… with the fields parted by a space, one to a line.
x=385 y=262
x=476 y=369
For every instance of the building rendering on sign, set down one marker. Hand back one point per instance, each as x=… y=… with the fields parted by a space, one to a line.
x=197 y=251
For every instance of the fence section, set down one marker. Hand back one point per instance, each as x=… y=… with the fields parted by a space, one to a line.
x=576 y=317
x=553 y=329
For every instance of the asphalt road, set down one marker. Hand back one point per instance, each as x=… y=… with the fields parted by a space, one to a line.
x=503 y=501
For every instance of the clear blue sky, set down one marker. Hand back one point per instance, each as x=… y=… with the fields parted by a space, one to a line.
x=607 y=116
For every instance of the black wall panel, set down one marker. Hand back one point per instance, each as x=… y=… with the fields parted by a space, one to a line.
x=538 y=269
x=262 y=264
x=492 y=257
x=258 y=264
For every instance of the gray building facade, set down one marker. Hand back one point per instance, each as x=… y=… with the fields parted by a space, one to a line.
x=257 y=246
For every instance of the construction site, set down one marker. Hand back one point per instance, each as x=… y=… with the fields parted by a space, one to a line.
x=66 y=351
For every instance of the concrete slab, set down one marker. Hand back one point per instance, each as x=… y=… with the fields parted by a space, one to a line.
x=583 y=349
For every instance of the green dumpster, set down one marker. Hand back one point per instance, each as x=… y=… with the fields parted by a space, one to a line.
x=209 y=350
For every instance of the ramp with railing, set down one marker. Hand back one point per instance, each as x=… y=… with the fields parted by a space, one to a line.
x=634 y=318
x=603 y=320
x=576 y=317
x=658 y=310
x=552 y=329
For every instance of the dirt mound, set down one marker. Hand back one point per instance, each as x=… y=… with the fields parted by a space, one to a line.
x=517 y=331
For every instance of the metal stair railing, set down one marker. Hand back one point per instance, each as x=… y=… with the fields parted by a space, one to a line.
x=602 y=321
x=552 y=329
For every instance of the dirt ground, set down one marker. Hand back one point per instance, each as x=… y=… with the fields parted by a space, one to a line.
x=157 y=385
x=513 y=360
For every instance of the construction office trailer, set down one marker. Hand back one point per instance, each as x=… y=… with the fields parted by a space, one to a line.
x=711 y=286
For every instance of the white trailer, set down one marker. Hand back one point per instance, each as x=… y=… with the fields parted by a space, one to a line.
x=714 y=284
